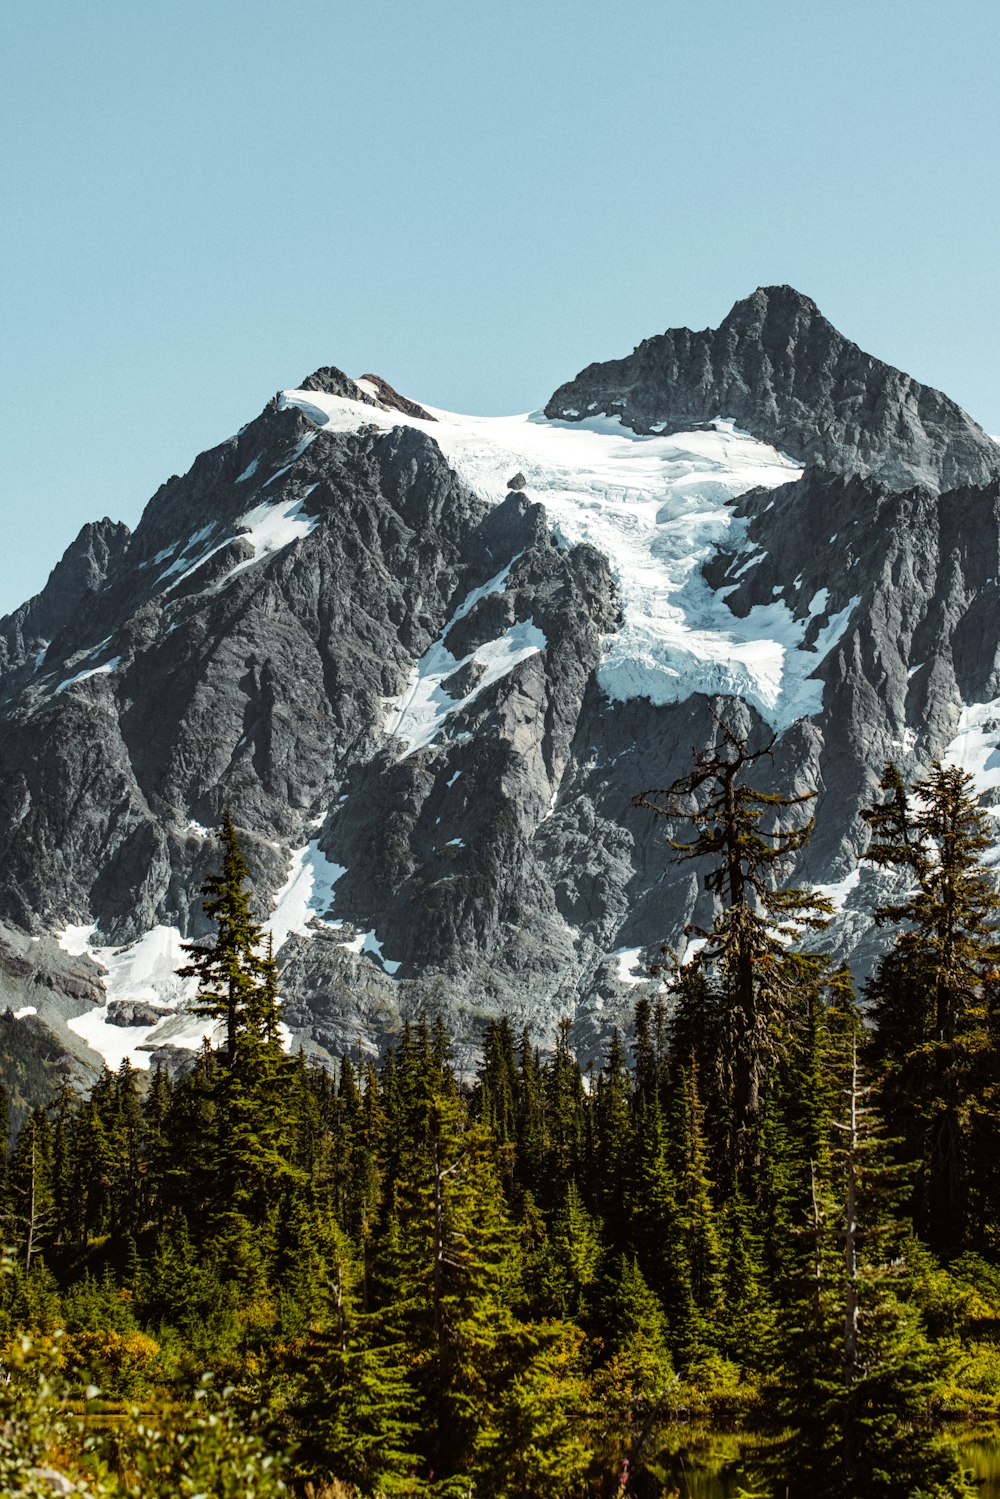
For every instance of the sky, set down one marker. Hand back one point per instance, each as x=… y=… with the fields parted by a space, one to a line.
x=201 y=203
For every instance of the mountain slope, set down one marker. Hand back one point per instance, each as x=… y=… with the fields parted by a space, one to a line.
x=428 y=698
x=778 y=369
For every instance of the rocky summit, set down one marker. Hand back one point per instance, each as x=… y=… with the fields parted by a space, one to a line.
x=426 y=660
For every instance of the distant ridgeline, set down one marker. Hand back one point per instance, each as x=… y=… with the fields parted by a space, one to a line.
x=770 y=1210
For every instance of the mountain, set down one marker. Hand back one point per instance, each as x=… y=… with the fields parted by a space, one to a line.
x=427 y=660
x=778 y=369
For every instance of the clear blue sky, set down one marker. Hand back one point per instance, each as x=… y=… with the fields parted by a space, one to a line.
x=203 y=202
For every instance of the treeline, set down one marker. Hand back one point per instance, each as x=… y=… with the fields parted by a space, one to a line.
x=772 y=1206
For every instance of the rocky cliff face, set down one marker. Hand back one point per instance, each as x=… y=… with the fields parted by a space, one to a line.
x=428 y=699
x=782 y=372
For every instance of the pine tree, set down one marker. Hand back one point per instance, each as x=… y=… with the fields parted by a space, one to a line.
x=497 y=1083
x=356 y=1409
x=697 y=1213
x=613 y=1125
x=929 y=994
x=573 y=1258
x=253 y=1096
x=447 y=1265
x=565 y=1108
x=235 y=983
x=656 y=1233
x=157 y=1147
x=860 y=1375
x=64 y=1116
x=31 y=1197
x=746 y=950
x=530 y=1120
x=636 y=1374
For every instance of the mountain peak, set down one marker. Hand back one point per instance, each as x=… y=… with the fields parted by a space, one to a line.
x=779 y=369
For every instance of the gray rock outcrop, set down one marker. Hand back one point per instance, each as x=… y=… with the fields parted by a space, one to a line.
x=782 y=372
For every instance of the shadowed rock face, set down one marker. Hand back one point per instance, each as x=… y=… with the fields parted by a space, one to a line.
x=783 y=373
x=499 y=865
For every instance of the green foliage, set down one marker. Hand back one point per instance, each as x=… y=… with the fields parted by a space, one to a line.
x=750 y=976
x=206 y=1447
x=510 y=1290
x=931 y=994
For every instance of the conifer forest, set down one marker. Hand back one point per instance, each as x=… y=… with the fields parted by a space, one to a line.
x=771 y=1213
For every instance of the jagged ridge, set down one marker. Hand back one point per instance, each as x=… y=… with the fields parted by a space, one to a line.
x=778 y=368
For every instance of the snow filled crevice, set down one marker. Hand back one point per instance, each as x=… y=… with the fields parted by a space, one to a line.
x=424 y=707
x=307 y=894
x=976 y=750
x=657 y=507
x=268 y=527
x=93 y=671
x=305 y=902
x=630 y=966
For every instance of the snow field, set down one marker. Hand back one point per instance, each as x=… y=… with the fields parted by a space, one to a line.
x=307 y=896
x=657 y=507
x=976 y=749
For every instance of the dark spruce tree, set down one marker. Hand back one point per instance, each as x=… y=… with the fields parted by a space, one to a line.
x=931 y=995
x=735 y=999
x=860 y=1375
x=231 y=971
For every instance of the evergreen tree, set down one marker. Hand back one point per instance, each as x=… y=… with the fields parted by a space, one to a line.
x=860 y=1374
x=929 y=994
x=497 y=1082
x=447 y=1265
x=613 y=1126
x=31 y=1195
x=636 y=1374
x=697 y=1213
x=234 y=981
x=530 y=1119
x=746 y=950
x=565 y=1111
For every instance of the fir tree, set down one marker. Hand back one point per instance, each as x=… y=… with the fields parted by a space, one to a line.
x=234 y=981
x=447 y=1266
x=860 y=1374
x=746 y=949
x=929 y=994
x=31 y=1196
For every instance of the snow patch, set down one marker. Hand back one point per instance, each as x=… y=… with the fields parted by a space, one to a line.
x=837 y=893
x=627 y=959
x=976 y=747
x=76 y=939
x=144 y=970
x=248 y=472
x=24 y=1012
x=908 y=743
x=307 y=894
x=93 y=671
x=367 y=942
x=658 y=508
x=424 y=707
x=692 y=948
x=269 y=528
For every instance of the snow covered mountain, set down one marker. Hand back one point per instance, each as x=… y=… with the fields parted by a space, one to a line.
x=427 y=659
